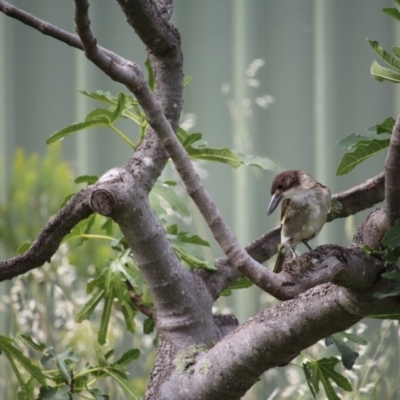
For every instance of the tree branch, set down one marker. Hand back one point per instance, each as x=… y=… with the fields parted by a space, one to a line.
x=49 y=29
x=272 y=338
x=49 y=239
x=392 y=171
x=261 y=249
x=358 y=198
x=345 y=203
x=181 y=300
x=151 y=25
x=135 y=81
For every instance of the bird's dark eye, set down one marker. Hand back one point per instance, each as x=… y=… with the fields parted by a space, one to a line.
x=280 y=186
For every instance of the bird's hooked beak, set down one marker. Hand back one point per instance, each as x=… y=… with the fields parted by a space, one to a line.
x=275 y=199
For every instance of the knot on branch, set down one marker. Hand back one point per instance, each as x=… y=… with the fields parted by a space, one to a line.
x=350 y=268
x=308 y=264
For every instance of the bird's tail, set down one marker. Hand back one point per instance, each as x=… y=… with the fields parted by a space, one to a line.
x=280 y=258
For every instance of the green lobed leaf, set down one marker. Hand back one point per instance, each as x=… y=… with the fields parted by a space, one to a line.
x=6 y=346
x=148 y=325
x=185 y=247
x=394 y=291
x=129 y=313
x=17 y=373
x=223 y=155
x=25 y=396
x=349 y=356
x=350 y=141
x=98 y=394
x=241 y=283
x=177 y=204
x=63 y=361
x=310 y=381
x=392 y=236
x=121 y=100
x=105 y=317
x=31 y=343
x=122 y=269
x=155 y=204
x=128 y=357
x=193 y=239
x=89 y=179
x=108 y=117
x=88 y=308
x=55 y=393
x=80 y=383
x=109 y=354
x=255 y=161
x=127 y=386
x=396 y=51
x=381 y=73
x=77 y=233
x=99 y=117
x=108 y=226
x=184 y=237
x=191 y=260
x=90 y=222
x=387 y=57
x=24 y=247
x=364 y=149
x=131 y=109
x=389 y=255
x=393 y=12
x=119 y=244
x=102 y=97
x=73 y=128
x=394 y=275
x=190 y=139
x=322 y=371
x=384 y=127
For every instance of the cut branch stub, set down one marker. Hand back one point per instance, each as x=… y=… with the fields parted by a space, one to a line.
x=103 y=202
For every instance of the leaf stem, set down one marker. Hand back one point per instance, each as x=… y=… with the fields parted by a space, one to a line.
x=123 y=136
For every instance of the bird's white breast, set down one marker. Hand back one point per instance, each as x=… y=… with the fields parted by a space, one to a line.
x=307 y=214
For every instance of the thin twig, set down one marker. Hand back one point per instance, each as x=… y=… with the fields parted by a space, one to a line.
x=137 y=301
x=50 y=30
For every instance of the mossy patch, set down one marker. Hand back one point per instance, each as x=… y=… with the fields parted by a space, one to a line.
x=185 y=359
x=205 y=367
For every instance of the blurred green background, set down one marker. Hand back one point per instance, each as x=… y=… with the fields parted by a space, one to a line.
x=281 y=79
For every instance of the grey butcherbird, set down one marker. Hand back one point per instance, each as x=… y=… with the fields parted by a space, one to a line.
x=305 y=206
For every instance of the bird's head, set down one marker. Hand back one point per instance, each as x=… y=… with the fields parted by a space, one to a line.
x=285 y=184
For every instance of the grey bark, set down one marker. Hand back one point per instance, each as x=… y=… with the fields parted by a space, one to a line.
x=201 y=356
